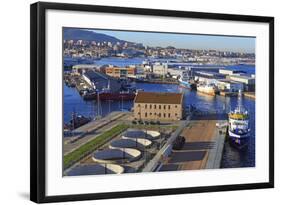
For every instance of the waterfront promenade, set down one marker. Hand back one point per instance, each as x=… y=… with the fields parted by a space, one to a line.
x=202 y=149
x=91 y=130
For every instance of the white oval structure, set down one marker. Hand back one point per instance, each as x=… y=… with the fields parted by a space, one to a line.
x=154 y=134
x=119 y=155
x=138 y=143
x=133 y=133
x=95 y=169
x=145 y=134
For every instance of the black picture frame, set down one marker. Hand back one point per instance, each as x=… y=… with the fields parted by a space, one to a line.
x=38 y=100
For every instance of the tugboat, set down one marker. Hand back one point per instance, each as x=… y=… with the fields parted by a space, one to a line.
x=239 y=131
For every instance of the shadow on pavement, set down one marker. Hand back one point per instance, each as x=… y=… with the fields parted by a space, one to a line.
x=198 y=145
x=185 y=156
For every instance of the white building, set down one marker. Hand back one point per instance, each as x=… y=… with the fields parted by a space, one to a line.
x=177 y=72
x=243 y=79
x=229 y=72
x=229 y=86
x=80 y=67
x=160 y=69
x=140 y=72
x=248 y=81
x=208 y=77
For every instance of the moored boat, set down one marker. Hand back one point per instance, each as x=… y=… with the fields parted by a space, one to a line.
x=122 y=95
x=238 y=129
x=209 y=89
x=186 y=82
x=76 y=121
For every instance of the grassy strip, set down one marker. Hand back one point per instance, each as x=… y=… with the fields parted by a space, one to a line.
x=90 y=146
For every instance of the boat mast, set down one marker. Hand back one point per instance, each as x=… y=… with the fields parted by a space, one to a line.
x=108 y=84
x=98 y=106
x=122 y=103
x=239 y=103
x=73 y=116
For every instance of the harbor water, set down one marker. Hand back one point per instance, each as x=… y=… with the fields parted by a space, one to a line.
x=231 y=157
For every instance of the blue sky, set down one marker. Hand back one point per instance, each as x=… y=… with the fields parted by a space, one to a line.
x=223 y=43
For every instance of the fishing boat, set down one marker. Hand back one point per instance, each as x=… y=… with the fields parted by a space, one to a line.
x=209 y=89
x=238 y=129
x=186 y=82
x=108 y=95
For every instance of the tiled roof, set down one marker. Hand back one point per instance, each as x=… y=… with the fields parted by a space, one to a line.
x=159 y=97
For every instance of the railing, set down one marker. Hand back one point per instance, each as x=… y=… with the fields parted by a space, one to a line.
x=152 y=165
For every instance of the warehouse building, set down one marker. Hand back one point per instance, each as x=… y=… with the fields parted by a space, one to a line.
x=158 y=106
x=80 y=68
x=248 y=81
x=229 y=86
x=120 y=72
x=160 y=69
x=230 y=72
x=100 y=81
x=208 y=77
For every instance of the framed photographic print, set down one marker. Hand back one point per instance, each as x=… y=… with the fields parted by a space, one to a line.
x=129 y=102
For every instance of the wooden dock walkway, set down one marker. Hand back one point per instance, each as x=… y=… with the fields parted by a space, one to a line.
x=202 y=149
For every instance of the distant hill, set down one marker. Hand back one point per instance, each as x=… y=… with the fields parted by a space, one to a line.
x=80 y=34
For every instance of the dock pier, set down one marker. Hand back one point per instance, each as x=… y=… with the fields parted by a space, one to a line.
x=203 y=147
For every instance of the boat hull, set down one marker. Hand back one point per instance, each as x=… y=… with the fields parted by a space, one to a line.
x=238 y=141
x=208 y=92
x=187 y=85
x=110 y=96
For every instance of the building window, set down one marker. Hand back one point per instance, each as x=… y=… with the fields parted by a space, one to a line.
x=154 y=106
x=146 y=114
x=176 y=114
x=176 y=106
x=155 y=113
x=150 y=106
x=160 y=107
x=169 y=115
x=150 y=113
x=145 y=106
x=164 y=107
x=138 y=113
x=169 y=107
x=164 y=114
x=138 y=105
x=159 y=114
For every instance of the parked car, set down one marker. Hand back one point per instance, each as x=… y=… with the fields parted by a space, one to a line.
x=179 y=142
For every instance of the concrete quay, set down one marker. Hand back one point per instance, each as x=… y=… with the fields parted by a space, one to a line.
x=203 y=147
x=251 y=95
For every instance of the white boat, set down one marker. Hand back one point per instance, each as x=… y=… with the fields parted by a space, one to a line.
x=209 y=89
x=238 y=129
x=185 y=81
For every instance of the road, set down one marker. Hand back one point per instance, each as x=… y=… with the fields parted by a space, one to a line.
x=92 y=130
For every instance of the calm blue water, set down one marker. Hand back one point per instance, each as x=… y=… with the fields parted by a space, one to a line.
x=231 y=156
x=74 y=102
